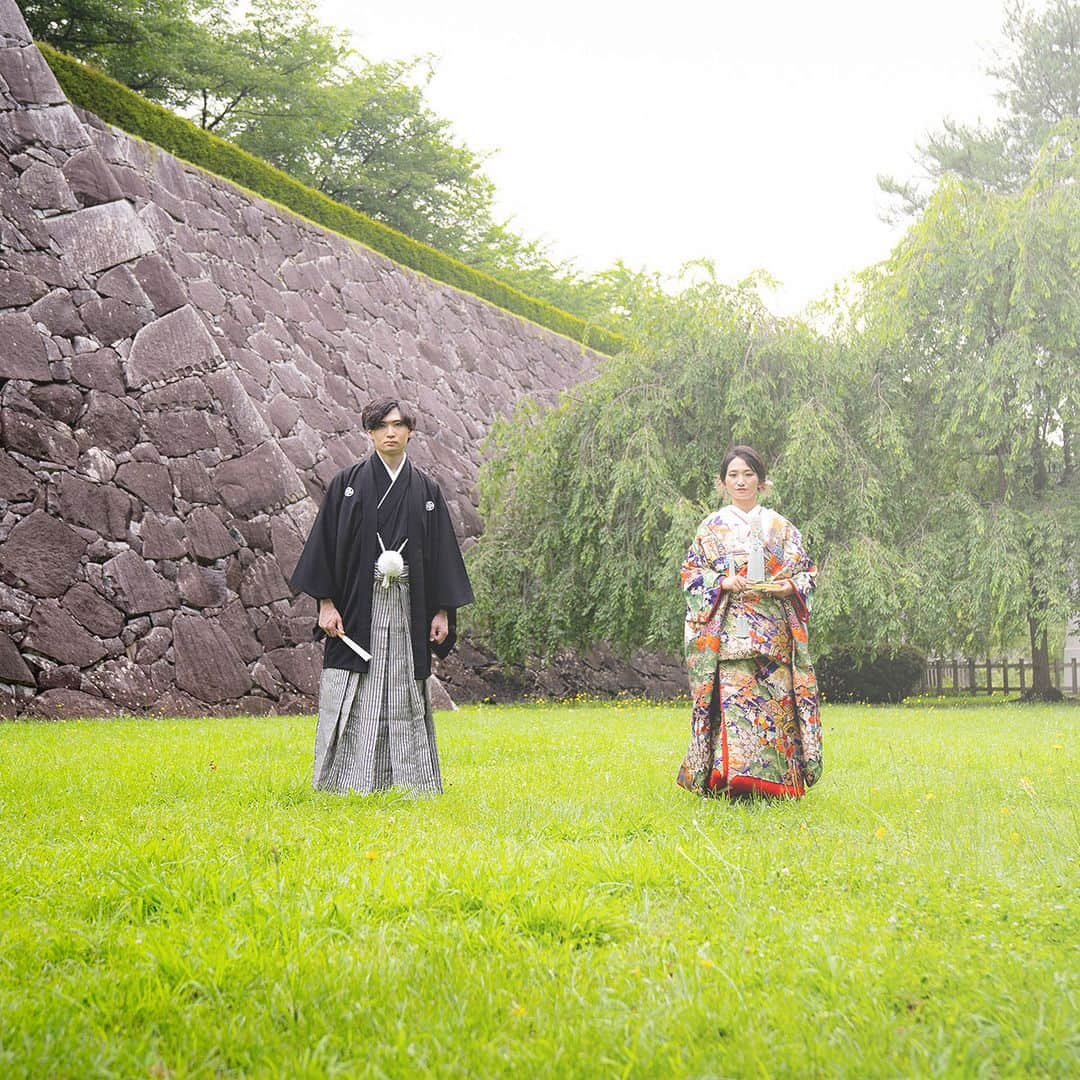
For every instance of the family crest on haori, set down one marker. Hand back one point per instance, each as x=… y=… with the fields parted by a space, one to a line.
x=384 y=565
x=755 y=724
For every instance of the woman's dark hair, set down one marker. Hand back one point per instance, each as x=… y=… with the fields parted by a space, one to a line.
x=375 y=413
x=749 y=455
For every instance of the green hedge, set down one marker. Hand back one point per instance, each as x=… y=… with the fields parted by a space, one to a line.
x=849 y=675
x=116 y=104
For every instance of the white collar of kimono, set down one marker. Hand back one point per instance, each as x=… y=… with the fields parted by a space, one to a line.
x=747 y=517
x=394 y=474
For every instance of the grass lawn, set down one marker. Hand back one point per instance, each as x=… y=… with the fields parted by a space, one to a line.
x=176 y=901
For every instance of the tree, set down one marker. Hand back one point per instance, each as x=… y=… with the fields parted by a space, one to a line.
x=978 y=314
x=261 y=70
x=589 y=508
x=225 y=65
x=93 y=28
x=368 y=139
x=1039 y=76
x=925 y=444
x=146 y=44
x=528 y=265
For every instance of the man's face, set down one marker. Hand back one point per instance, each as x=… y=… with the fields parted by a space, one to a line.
x=391 y=436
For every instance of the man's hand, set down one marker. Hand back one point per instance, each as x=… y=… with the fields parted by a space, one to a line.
x=330 y=618
x=439 y=628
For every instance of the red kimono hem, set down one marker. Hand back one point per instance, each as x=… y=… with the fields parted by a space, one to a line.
x=751 y=785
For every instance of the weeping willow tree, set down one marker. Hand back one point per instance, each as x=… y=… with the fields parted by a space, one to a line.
x=590 y=506
x=925 y=445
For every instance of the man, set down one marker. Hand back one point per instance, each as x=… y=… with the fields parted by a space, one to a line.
x=384 y=565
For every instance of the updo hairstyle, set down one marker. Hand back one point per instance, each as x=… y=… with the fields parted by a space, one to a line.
x=752 y=458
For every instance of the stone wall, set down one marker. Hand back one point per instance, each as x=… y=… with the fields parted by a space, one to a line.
x=182 y=367
x=474 y=673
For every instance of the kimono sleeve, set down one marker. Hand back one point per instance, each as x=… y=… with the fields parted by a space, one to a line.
x=449 y=587
x=316 y=569
x=803 y=570
x=700 y=577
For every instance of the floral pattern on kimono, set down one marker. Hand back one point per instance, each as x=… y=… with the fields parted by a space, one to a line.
x=755 y=724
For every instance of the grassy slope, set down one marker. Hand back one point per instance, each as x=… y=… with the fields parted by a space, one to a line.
x=175 y=900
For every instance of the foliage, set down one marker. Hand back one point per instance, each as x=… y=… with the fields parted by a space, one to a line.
x=975 y=320
x=178 y=902
x=106 y=98
x=259 y=71
x=528 y=265
x=1038 y=73
x=368 y=139
x=846 y=675
x=589 y=508
x=144 y=43
x=924 y=442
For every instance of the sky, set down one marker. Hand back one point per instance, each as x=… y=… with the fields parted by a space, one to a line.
x=750 y=134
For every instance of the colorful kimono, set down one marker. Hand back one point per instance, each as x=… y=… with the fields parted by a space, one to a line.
x=756 y=725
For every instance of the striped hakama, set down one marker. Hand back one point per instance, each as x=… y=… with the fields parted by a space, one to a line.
x=375 y=729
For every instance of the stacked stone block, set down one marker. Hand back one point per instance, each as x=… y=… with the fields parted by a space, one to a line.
x=182 y=367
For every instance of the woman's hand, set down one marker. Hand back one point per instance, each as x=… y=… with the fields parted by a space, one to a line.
x=787 y=588
x=330 y=618
x=733 y=583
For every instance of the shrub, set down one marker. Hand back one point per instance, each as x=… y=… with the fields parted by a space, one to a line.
x=846 y=675
x=116 y=104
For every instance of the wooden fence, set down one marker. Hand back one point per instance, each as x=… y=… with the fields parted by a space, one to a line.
x=967 y=676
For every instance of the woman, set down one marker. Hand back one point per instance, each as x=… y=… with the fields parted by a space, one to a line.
x=755 y=727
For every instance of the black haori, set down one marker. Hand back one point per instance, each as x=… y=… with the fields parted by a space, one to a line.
x=338 y=561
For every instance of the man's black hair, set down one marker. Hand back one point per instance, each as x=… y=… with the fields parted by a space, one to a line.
x=375 y=412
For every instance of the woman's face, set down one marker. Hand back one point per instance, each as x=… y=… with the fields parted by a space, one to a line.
x=741 y=483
